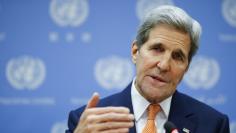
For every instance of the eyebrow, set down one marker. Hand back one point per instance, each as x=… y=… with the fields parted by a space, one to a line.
x=156 y=44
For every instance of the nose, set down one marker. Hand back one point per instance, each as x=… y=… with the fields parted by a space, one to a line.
x=164 y=63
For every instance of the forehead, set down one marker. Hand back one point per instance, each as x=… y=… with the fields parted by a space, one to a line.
x=169 y=36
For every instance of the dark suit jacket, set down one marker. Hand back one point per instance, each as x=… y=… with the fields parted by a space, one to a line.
x=185 y=113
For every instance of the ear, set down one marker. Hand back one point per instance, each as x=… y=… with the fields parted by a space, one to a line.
x=134 y=51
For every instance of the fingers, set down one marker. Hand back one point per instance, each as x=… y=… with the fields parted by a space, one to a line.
x=116 y=117
x=101 y=114
x=113 y=126
x=120 y=130
x=109 y=119
x=104 y=119
x=108 y=110
x=93 y=101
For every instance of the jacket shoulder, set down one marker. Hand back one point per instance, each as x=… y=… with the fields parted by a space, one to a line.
x=199 y=107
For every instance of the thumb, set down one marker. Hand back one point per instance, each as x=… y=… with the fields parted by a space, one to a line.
x=93 y=101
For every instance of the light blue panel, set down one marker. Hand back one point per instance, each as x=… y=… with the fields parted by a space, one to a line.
x=55 y=53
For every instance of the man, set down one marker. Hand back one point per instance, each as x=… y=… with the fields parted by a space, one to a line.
x=165 y=44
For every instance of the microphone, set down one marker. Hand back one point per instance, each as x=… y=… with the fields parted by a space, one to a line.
x=170 y=127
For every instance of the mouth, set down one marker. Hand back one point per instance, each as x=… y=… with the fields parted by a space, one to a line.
x=158 y=78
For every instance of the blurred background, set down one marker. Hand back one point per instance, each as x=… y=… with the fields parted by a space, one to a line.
x=55 y=53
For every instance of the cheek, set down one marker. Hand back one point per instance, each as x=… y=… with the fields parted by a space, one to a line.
x=145 y=65
x=140 y=68
x=178 y=74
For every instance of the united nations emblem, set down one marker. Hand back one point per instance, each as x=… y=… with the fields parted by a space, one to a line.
x=113 y=72
x=229 y=11
x=25 y=72
x=203 y=73
x=69 y=12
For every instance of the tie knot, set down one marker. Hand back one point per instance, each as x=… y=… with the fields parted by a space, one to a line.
x=153 y=109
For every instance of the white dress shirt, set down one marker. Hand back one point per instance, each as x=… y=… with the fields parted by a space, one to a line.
x=140 y=105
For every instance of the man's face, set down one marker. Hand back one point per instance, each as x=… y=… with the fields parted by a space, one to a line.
x=161 y=62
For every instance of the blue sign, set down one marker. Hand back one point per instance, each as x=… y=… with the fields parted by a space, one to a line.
x=54 y=54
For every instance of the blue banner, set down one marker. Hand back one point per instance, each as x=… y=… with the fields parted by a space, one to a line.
x=55 y=53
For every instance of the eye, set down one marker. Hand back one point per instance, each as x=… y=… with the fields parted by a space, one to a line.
x=158 y=48
x=178 y=56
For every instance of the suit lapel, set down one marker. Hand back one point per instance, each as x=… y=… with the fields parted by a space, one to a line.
x=181 y=114
x=125 y=100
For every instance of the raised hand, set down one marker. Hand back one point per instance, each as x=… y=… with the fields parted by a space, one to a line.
x=104 y=119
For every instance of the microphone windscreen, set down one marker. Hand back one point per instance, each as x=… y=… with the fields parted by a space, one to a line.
x=169 y=127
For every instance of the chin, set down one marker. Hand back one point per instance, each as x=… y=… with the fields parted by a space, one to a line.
x=154 y=98
x=157 y=96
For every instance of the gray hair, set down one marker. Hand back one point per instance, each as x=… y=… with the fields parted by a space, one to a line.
x=172 y=16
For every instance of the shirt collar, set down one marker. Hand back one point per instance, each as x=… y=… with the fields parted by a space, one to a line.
x=140 y=104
